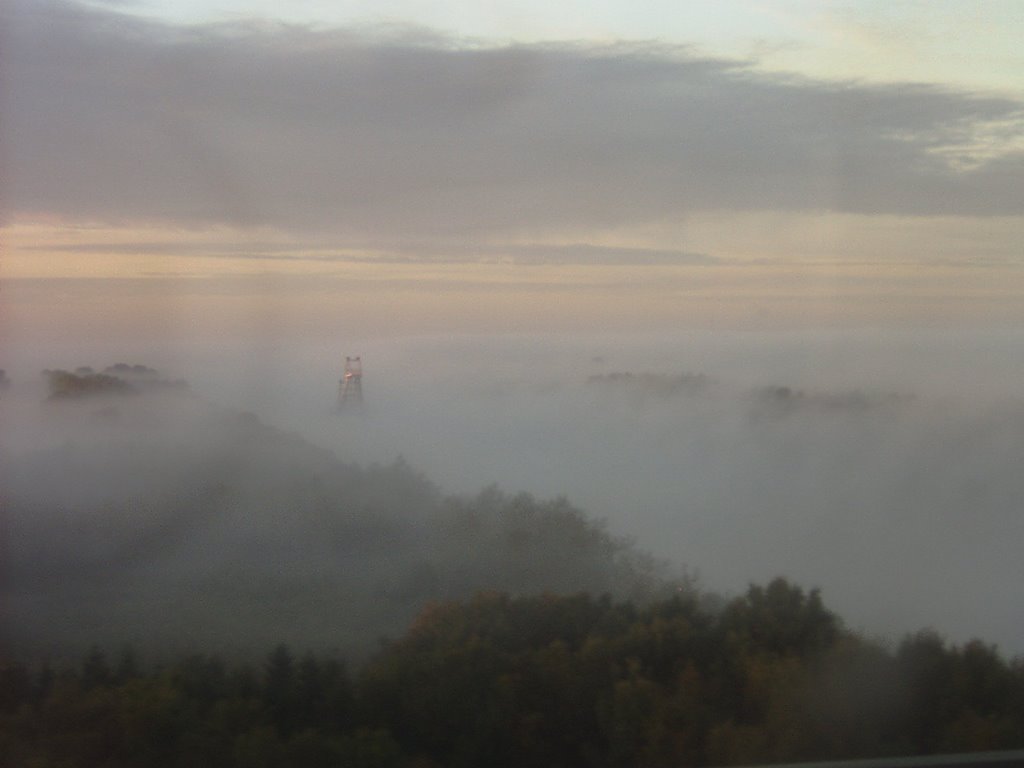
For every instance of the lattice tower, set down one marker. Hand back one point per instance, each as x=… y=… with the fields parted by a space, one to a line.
x=350 y=388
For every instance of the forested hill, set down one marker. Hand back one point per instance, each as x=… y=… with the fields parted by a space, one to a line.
x=164 y=521
x=534 y=681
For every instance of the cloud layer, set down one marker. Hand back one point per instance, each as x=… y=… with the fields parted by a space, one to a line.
x=405 y=135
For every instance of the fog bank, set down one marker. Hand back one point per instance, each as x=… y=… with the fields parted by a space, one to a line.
x=882 y=468
x=889 y=477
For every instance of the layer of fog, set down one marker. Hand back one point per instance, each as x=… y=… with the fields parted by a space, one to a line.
x=888 y=476
x=907 y=513
x=134 y=511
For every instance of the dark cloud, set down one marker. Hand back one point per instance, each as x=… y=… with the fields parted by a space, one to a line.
x=367 y=135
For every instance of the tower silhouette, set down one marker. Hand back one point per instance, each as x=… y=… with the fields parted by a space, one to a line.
x=350 y=388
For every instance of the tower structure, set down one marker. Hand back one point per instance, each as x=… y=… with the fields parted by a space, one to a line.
x=350 y=388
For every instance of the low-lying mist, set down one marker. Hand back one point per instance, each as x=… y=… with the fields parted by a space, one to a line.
x=146 y=515
x=882 y=468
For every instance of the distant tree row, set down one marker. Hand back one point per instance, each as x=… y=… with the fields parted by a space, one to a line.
x=781 y=400
x=117 y=379
x=774 y=400
x=540 y=681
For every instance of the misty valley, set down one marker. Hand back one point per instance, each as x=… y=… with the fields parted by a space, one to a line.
x=159 y=519
x=158 y=545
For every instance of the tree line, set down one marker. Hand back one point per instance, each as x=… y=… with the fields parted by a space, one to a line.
x=497 y=680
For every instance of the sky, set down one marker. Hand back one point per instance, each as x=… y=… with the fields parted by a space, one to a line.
x=317 y=168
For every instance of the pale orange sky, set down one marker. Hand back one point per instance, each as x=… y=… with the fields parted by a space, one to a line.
x=156 y=187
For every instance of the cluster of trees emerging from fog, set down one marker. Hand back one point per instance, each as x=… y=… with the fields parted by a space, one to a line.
x=535 y=681
x=119 y=378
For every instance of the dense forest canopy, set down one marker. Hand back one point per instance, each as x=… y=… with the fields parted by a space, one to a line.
x=548 y=681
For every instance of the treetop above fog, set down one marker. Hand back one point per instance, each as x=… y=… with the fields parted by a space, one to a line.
x=118 y=379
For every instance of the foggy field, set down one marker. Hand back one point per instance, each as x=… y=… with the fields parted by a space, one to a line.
x=885 y=471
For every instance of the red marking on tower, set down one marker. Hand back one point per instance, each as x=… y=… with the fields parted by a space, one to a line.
x=350 y=388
